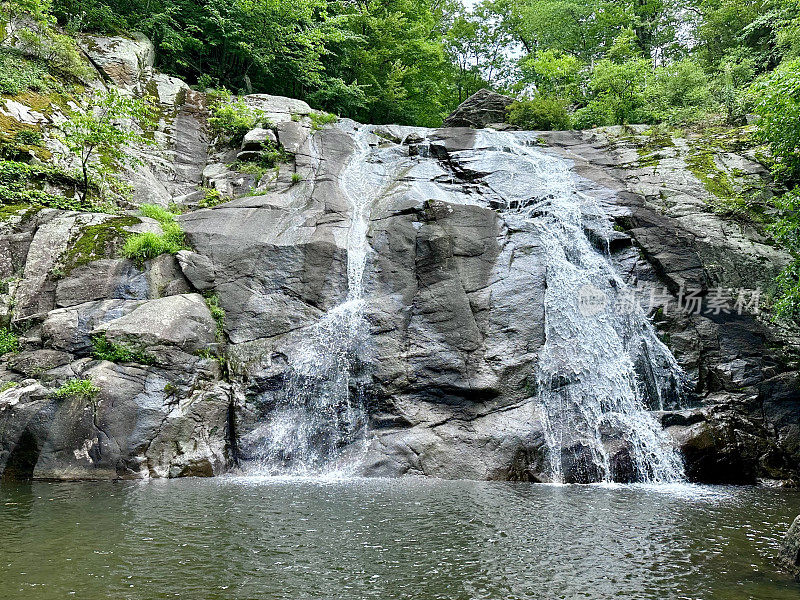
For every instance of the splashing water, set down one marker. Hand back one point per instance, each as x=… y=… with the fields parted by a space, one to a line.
x=599 y=371
x=602 y=367
x=322 y=411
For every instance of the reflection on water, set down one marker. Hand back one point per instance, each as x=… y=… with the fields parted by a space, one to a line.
x=233 y=538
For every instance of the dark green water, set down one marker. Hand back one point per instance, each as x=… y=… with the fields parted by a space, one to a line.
x=235 y=538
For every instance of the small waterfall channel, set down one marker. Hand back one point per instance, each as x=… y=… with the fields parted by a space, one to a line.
x=599 y=372
x=602 y=368
x=322 y=410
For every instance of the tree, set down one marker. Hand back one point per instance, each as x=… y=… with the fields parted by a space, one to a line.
x=99 y=135
x=477 y=45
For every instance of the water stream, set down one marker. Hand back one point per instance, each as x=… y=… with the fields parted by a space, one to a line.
x=602 y=367
x=600 y=371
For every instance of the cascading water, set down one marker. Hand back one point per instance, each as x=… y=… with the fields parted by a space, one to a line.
x=598 y=373
x=602 y=366
x=322 y=409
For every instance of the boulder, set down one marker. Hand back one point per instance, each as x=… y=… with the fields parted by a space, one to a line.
x=183 y=321
x=258 y=138
x=789 y=554
x=142 y=423
x=71 y=329
x=124 y=61
x=479 y=110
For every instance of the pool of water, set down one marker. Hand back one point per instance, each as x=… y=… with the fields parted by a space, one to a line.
x=239 y=538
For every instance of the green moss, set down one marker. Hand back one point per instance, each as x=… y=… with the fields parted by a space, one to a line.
x=715 y=180
x=7 y=385
x=102 y=349
x=98 y=241
x=7 y=211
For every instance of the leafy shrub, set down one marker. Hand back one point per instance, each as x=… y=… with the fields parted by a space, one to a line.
x=320 y=119
x=678 y=92
x=540 y=113
x=787 y=231
x=29 y=137
x=19 y=74
x=594 y=114
x=9 y=342
x=232 y=119
x=102 y=349
x=60 y=52
x=777 y=103
x=213 y=197
x=20 y=183
x=218 y=313
x=80 y=389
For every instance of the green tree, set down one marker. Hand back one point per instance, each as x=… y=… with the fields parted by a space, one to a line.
x=100 y=135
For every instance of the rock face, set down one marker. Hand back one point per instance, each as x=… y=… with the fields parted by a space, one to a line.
x=484 y=107
x=789 y=557
x=442 y=349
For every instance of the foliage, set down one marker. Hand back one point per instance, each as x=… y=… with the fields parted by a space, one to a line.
x=19 y=74
x=100 y=134
x=321 y=119
x=102 y=349
x=212 y=197
x=296 y=178
x=9 y=342
x=212 y=301
x=540 y=113
x=777 y=102
x=232 y=119
x=140 y=247
x=79 y=389
x=21 y=183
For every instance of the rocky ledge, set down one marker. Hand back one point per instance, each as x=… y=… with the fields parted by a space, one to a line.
x=190 y=352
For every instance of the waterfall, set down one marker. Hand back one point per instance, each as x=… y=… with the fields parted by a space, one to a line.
x=600 y=370
x=598 y=374
x=322 y=409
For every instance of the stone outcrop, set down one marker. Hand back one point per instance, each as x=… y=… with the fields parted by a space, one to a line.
x=483 y=108
x=454 y=298
x=789 y=556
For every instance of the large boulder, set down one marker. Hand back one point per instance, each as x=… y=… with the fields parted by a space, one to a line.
x=789 y=555
x=479 y=110
x=142 y=423
x=123 y=61
x=183 y=321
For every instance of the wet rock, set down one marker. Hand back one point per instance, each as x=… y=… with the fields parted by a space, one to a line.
x=479 y=110
x=789 y=555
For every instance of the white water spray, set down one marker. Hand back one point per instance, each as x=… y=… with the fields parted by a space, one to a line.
x=602 y=367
